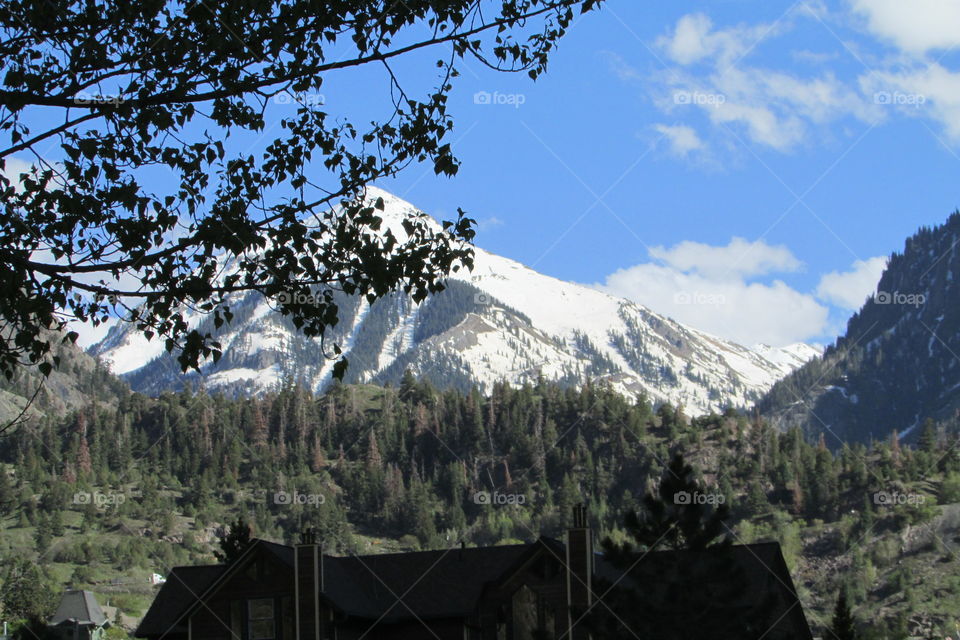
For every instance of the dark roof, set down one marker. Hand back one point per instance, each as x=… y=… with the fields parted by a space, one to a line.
x=751 y=581
x=734 y=588
x=80 y=607
x=182 y=588
x=433 y=584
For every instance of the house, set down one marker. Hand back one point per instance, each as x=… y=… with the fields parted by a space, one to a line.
x=78 y=617
x=522 y=591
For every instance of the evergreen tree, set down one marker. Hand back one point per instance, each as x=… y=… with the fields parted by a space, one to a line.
x=679 y=516
x=705 y=593
x=843 y=627
x=234 y=541
x=7 y=495
x=26 y=590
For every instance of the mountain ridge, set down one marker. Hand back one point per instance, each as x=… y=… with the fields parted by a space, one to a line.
x=896 y=364
x=501 y=321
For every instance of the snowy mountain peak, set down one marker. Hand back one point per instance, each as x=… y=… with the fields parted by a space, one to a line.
x=502 y=321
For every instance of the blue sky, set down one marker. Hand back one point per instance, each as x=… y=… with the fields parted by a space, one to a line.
x=742 y=166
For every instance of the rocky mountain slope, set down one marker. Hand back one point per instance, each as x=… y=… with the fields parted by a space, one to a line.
x=898 y=363
x=501 y=321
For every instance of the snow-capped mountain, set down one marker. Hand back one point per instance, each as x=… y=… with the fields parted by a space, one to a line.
x=502 y=321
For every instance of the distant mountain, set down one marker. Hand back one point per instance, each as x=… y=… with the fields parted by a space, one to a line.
x=77 y=381
x=503 y=321
x=898 y=362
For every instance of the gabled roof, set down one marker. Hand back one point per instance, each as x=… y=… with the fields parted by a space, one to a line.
x=182 y=588
x=424 y=584
x=78 y=606
x=450 y=583
x=746 y=584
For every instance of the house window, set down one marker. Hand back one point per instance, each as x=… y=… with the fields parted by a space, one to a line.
x=236 y=620
x=524 y=613
x=261 y=619
x=287 y=618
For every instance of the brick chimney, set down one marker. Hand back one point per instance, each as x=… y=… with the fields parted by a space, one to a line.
x=308 y=585
x=579 y=562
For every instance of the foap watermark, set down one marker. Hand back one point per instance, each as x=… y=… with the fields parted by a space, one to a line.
x=498 y=499
x=84 y=98
x=898 y=297
x=514 y=100
x=303 y=98
x=99 y=499
x=699 y=298
x=298 y=297
x=899 y=98
x=482 y=299
x=685 y=497
x=700 y=98
x=895 y=498
x=288 y=498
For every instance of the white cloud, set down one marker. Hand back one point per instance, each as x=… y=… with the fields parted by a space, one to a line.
x=929 y=90
x=712 y=74
x=917 y=26
x=709 y=288
x=740 y=258
x=13 y=168
x=682 y=139
x=745 y=312
x=849 y=289
x=689 y=41
x=772 y=107
x=694 y=39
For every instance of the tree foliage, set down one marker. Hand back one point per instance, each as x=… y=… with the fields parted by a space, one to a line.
x=677 y=516
x=129 y=92
x=843 y=627
x=26 y=592
x=233 y=541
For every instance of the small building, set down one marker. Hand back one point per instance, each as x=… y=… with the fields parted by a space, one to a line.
x=78 y=617
x=511 y=592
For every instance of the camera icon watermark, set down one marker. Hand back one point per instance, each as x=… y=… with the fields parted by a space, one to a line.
x=896 y=297
x=699 y=298
x=899 y=98
x=499 y=499
x=300 y=298
x=687 y=498
x=288 y=498
x=482 y=299
x=699 y=98
x=496 y=98
x=306 y=99
x=896 y=498
x=99 y=499
x=83 y=98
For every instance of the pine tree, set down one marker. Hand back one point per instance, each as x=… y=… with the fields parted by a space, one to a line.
x=6 y=492
x=234 y=541
x=43 y=535
x=707 y=591
x=374 y=459
x=674 y=517
x=26 y=590
x=843 y=627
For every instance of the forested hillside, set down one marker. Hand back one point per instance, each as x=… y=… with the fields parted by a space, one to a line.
x=139 y=487
x=896 y=365
x=75 y=381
